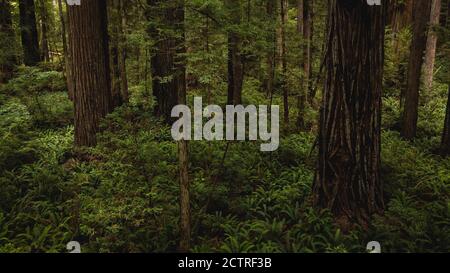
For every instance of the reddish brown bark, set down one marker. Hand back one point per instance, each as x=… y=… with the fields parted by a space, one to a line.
x=90 y=68
x=347 y=180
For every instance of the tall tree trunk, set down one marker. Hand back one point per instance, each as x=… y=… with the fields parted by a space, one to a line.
x=7 y=41
x=307 y=28
x=446 y=135
x=271 y=6
x=166 y=74
x=123 y=52
x=430 y=53
x=421 y=18
x=300 y=14
x=45 y=52
x=284 y=16
x=235 y=64
x=29 y=34
x=88 y=37
x=400 y=18
x=114 y=52
x=183 y=153
x=66 y=53
x=347 y=180
x=307 y=50
x=169 y=61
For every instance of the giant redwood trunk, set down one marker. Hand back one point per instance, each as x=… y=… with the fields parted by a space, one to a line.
x=347 y=180
x=28 y=31
x=7 y=58
x=421 y=17
x=88 y=40
x=166 y=18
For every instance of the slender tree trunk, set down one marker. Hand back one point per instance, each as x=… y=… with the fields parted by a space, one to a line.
x=123 y=52
x=271 y=6
x=430 y=53
x=66 y=53
x=45 y=52
x=307 y=28
x=400 y=18
x=300 y=16
x=183 y=153
x=446 y=135
x=347 y=180
x=7 y=41
x=114 y=19
x=89 y=48
x=283 y=14
x=170 y=60
x=29 y=32
x=166 y=74
x=410 y=114
x=235 y=64
x=307 y=50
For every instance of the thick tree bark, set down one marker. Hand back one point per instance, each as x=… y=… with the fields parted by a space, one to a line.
x=29 y=34
x=165 y=72
x=347 y=180
x=446 y=135
x=7 y=40
x=430 y=53
x=235 y=64
x=88 y=37
x=421 y=17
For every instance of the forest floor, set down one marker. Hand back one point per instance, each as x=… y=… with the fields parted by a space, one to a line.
x=122 y=195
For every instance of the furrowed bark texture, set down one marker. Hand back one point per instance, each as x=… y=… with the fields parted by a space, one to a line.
x=89 y=53
x=347 y=180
